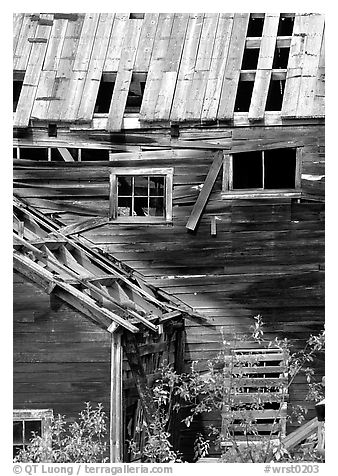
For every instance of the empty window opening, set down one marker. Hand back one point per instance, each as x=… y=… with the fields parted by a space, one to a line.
x=285 y=26
x=94 y=155
x=135 y=94
x=281 y=58
x=267 y=170
x=17 y=86
x=23 y=432
x=136 y=16
x=140 y=196
x=104 y=96
x=256 y=23
x=15 y=153
x=34 y=153
x=250 y=58
x=243 y=97
x=275 y=95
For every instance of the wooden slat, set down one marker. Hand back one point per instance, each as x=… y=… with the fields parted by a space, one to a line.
x=124 y=75
x=23 y=47
x=65 y=154
x=295 y=65
x=92 y=82
x=17 y=24
x=31 y=80
x=171 y=66
x=319 y=99
x=205 y=192
x=43 y=94
x=299 y=435
x=217 y=67
x=310 y=65
x=114 y=50
x=146 y=42
x=264 y=67
x=86 y=41
x=73 y=96
x=233 y=65
x=156 y=67
x=186 y=70
x=55 y=45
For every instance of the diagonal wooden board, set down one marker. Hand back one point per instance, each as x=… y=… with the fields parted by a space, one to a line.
x=205 y=192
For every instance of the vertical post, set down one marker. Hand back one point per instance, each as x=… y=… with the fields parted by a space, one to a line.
x=115 y=433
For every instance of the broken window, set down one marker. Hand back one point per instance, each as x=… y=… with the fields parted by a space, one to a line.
x=244 y=93
x=274 y=99
x=136 y=91
x=136 y=16
x=18 y=77
x=29 y=423
x=105 y=93
x=145 y=196
x=256 y=23
x=262 y=171
x=285 y=26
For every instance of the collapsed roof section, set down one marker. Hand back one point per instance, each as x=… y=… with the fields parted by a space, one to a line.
x=168 y=67
x=86 y=279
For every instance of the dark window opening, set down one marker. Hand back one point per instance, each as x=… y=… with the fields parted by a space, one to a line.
x=250 y=58
x=281 y=58
x=280 y=168
x=23 y=431
x=139 y=195
x=17 y=86
x=104 y=97
x=34 y=153
x=136 y=16
x=275 y=95
x=285 y=26
x=94 y=154
x=255 y=27
x=248 y=170
x=243 y=97
x=135 y=94
x=55 y=155
x=15 y=152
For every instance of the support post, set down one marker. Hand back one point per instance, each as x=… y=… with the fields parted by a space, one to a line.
x=116 y=419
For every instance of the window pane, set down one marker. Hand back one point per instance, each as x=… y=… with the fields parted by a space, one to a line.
x=141 y=186
x=247 y=170
x=124 y=206
x=156 y=206
x=141 y=206
x=16 y=450
x=124 y=183
x=156 y=186
x=30 y=427
x=280 y=168
x=17 y=432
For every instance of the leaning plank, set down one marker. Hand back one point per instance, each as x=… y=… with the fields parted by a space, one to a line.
x=319 y=99
x=299 y=435
x=264 y=67
x=146 y=42
x=23 y=46
x=44 y=95
x=123 y=77
x=55 y=45
x=17 y=23
x=87 y=102
x=233 y=66
x=86 y=42
x=32 y=77
x=66 y=155
x=83 y=226
x=205 y=192
x=116 y=39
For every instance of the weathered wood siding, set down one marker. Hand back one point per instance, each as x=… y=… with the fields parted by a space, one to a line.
x=193 y=63
x=61 y=359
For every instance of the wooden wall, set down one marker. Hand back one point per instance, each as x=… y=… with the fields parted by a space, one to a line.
x=267 y=256
x=193 y=63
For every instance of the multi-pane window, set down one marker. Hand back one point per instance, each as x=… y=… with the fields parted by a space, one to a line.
x=262 y=172
x=141 y=195
x=29 y=423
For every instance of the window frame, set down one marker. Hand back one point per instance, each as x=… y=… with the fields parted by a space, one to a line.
x=168 y=174
x=228 y=192
x=43 y=415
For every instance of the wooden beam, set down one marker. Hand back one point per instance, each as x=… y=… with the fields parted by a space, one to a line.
x=299 y=435
x=205 y=192
x=116 y=418
x=66 y=155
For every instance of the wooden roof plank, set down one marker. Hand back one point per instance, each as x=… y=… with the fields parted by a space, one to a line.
x=217 y=67
x=264 y=67
x=205 y=192
x=196 y=96
x=206 y=43
x=156 y=67
x=233 y=66
x=124 y=75
x=73 y=96
x=31 y=80
x=86 y=41
x=186 y=70
x=44 y=94
x=114 y=51
x=146 y=42
x=172 y=62
x=100 y=49
x=310 y=65
x=55 y=45
x=295 y=65
x=17 y=24
x=319 y=99
x=23 y=46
